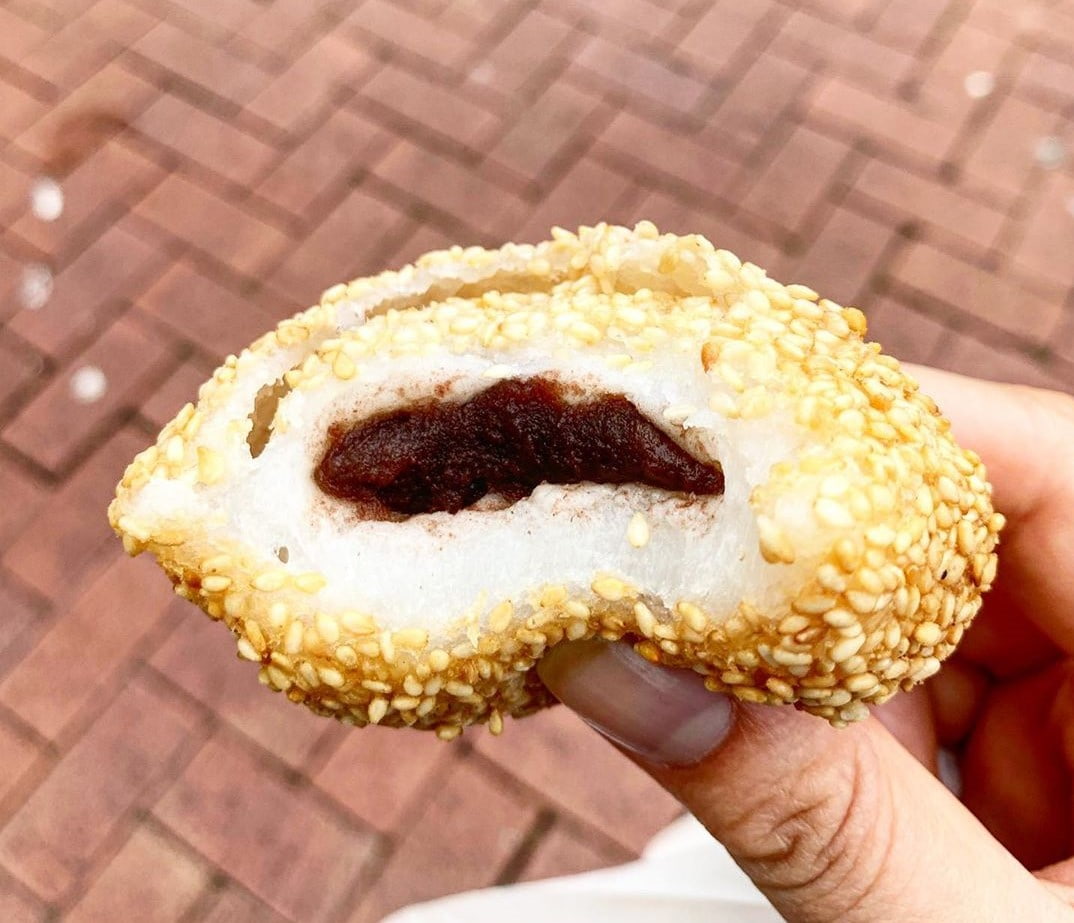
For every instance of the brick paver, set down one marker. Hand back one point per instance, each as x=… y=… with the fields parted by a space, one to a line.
x=222 y=161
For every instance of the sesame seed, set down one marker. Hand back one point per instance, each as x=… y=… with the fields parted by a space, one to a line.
x=343 y=366
x=247 y=651
x=346 y=655
x=646 y=621
x=448 y=731
x=327 y=627
x=330 y=676
x=861 y=683
x=358 y=623
x=813 y=604
x=269 y=581
x=832 y=514
x=495 y=722
x=458 y=689
x=411 y=685
x=378 y=708
x=609 y=588
x=310 y=583
x=405 y=702
x=411 y=638
x=292 y=642
x=576 y=609
x=928 y=633
x=843 y=650
x=776 y=547
x=215 y=583
x=793 y=624
x=638 y=531
x=500 y=616
x=439 y=660
x=787 y=658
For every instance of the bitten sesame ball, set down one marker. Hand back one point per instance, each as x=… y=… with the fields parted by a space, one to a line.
x=842 y=562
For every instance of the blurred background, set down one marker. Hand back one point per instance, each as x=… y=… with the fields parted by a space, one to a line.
x=176 y=175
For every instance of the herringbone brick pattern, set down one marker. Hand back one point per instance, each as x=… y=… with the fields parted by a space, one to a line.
x=224 y=160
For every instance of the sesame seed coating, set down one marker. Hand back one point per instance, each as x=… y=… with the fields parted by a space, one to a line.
x=880 y=537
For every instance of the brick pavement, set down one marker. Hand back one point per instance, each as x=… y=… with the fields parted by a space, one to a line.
x=223 y=160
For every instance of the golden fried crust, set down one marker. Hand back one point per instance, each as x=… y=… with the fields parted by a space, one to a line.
x=910 y=512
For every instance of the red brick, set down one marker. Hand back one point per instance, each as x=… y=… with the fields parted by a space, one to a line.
x=86 y=117
x=11 y=277
x=795 y=180
x=19 y=751
x=352 y=241
x=1002 y=157
x=1047 y=241
x=148 y=872
x=450 y=187
x=217 y=227
x=20 y=35
x=415 y=101
x=22 y=495
x=1047 y=80
x=671 y=215
x=757 y=100
x=22 y=367
x=106 y=181
x=920 y=133
x=981 y=360
x=642 y=145
x=389 y=22
x=207 y=140
x=725 y=30
x=462 y=840
x=618 y=18
x=842 y=256
x=543 y=133
x=816 y=42
x=202 y=62
x=903 y=332
x=70 y=54
x=416 y=761
x=179 y=388
x=293 y=99
x=89 y=292
x=59 y=546
x=911 y=197
x=424 y=240
x=563 y=851
x=199 y=657
x=77 y=657
x=121 y=20
x=548 y=753
x=51 y=838
x=335 y=150
x=977 y=293
x=641 y=75
x=272 y=836
x=204 y=311
x=521 y=56
x=16 y=907
x=970 y=49
x=55 y=424
x=233 y=905
x=14 y=192
x=588 y=194
x=908 y=23
x=20 y=110
x=846 y=12
x=285 y=23
x=219 y=17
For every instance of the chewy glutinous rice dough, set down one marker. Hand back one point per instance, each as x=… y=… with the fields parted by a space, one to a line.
x=400 y=499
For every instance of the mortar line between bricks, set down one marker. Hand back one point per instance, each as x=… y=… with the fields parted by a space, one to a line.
x=290 y=776
x=495 y=32
x=516 y=863
x=10 y=881
x=539 y=797
x=943 y=30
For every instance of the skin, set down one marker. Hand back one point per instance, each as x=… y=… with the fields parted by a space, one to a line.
x=854 y=824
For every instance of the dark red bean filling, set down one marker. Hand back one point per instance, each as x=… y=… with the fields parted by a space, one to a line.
x=445 y=456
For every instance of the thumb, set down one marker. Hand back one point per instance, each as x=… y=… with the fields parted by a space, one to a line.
x=829 y=824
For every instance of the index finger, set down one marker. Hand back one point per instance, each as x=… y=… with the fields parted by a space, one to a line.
x=1025 y=436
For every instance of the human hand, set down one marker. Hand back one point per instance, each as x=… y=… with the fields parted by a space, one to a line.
x=852 y=824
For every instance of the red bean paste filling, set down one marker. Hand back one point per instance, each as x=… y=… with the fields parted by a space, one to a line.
x=445 y=456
